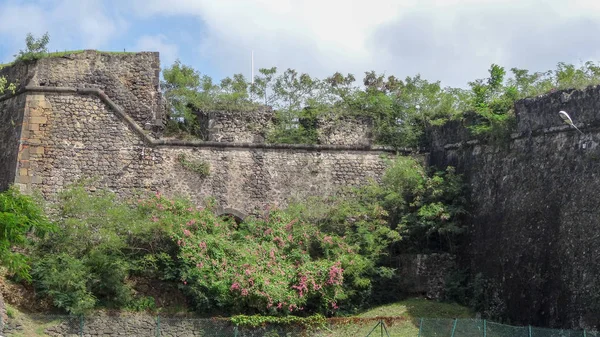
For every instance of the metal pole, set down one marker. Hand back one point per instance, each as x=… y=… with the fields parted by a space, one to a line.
x=381 y=327
x=157 y=325
x=584 y=334
x=420 y=326
x=530 y=331
x=386 y=332
x=81 y=325
x=454 y=327
x=375 y=327
x=484 y=328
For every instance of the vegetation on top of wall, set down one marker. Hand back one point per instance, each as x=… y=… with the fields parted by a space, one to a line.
x=402 y=110
x=37 y=48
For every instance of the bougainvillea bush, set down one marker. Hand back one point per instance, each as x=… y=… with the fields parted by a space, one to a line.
x=271 y=264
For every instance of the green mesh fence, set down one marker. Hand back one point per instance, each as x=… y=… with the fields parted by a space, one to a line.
x=108 y=325
x=430 y=327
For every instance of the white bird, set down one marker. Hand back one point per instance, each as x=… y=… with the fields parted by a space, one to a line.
x=567 y=119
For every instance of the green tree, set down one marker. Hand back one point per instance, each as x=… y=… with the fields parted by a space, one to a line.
x=20 y=215
x=262 y=85
x=35 y=49
x=182 y=86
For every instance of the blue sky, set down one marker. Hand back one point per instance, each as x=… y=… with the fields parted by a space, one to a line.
x=454 y=41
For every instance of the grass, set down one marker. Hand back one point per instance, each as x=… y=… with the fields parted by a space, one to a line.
x=417 y=308
x=401 y=318
x=67 y=52
x=32 y=325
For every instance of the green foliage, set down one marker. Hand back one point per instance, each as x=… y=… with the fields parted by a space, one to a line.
x=189 y=93
x=100 y=243
x=20 y=215
x=429 y=207
x=35 y=48
x=314 y=321
x=493 y=103
x=201 y=167
x=10 y=312
x=5 y=85
x=274 y=264
x=403 y=111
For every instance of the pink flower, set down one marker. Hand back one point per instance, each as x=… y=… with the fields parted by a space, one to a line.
x=235 y=286
x=187 y=232
x=336 y=274
x=244 y=292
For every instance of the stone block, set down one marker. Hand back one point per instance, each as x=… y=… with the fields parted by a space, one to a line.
x=37 y=150
x=23 y=171
x=36 y=112
x=38 y=120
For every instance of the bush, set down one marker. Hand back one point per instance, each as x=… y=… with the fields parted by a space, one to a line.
x=100 y=243
x=271 y=265
x=19 y=216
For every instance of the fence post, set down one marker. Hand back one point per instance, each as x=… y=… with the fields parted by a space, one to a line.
x=80 y=325
x=484 y=328
x=420 y=326
x=157 y=325
x=453 y=327
x=530 y=331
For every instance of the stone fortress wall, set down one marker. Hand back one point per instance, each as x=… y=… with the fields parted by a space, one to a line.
x=99 y=115
x=535 y=224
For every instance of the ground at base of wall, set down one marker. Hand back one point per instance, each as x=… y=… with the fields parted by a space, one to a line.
x=402 y=320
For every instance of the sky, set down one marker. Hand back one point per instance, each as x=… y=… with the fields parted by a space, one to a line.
x=454 y=41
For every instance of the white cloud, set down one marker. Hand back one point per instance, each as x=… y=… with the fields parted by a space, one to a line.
x=451 y=40
x=70 y=23
x=168 y=51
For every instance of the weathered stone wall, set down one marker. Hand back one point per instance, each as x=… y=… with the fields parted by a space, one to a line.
x=83 y=138
x=354 y=130
x=11 y=120
x=131 y=80
x=425 y=274
x=536 y=220
x=236 y=126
